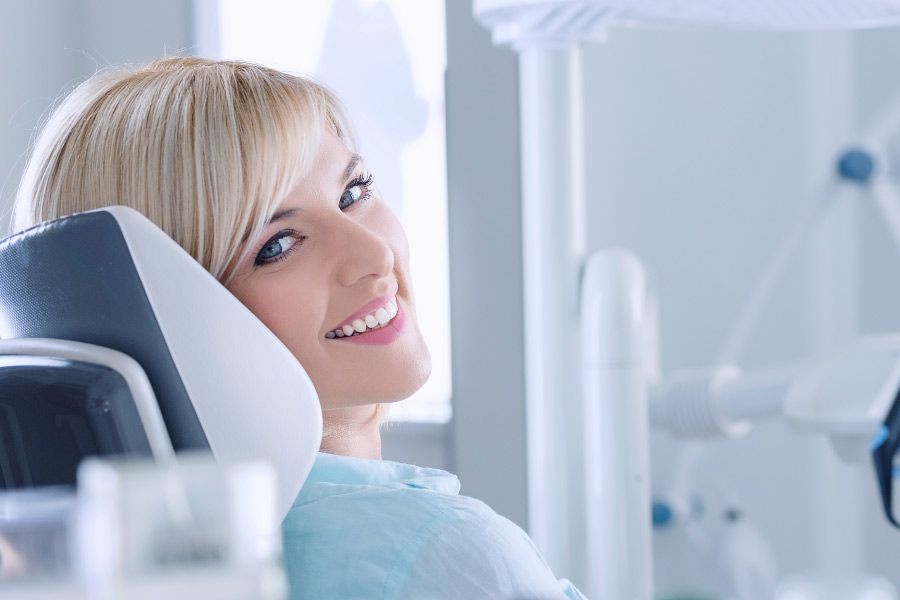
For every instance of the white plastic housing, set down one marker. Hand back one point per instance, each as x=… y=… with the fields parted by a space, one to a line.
x=798 y=15
x=847 y=395
x=553 y=211
x=617 y=323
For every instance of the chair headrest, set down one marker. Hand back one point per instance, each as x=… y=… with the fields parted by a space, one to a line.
x=223 y=381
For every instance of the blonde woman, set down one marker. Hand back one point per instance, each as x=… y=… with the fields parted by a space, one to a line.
x=254 y=173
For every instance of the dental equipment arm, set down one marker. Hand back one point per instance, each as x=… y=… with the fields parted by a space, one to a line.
x=846 y=395
x=852 y=396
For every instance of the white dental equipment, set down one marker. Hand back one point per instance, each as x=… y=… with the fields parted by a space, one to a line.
x=845 y=395
x=546 y=35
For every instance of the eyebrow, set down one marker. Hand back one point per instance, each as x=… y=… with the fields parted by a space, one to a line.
x=279 y=216
x=354 y=160
x=290 y=212
x=283 y=214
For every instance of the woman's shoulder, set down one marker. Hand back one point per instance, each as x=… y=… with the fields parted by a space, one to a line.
x=370 y=491
x=403 y=529
x=362 y=525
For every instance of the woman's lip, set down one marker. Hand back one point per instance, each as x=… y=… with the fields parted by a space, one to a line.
x=381 y=335
x=369 y=308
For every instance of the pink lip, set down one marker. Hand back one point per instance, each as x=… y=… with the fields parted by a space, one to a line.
x=382 y=335
x=369 y=308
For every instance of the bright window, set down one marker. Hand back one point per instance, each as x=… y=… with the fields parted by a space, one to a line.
x=386 y=60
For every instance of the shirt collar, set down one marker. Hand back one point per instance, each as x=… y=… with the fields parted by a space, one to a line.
x=338 y=473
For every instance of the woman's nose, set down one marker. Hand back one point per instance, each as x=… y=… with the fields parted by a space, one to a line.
x=362 y=252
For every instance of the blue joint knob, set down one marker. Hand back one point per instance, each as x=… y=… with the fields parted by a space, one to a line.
x=856 y=165
x=662 y=515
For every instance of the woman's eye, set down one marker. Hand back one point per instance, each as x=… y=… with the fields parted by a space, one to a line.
x=350 y=196
x=277 y=247
x=359 y=190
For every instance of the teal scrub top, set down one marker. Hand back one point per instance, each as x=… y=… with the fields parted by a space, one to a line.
x=378 y=529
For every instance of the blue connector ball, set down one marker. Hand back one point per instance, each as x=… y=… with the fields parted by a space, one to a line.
x=856 y=165
x=662 y=514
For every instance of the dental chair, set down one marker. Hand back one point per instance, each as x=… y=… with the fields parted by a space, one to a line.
x=116 y=342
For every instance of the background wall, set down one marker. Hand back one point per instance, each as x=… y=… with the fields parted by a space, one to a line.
x=52 y=45
x=485 y=222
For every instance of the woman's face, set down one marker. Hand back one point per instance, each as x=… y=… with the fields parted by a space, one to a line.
x=334 y=261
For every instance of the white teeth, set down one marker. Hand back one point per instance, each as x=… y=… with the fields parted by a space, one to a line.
x=381 y=318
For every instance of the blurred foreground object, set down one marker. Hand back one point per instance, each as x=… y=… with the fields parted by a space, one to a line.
x=190 y=528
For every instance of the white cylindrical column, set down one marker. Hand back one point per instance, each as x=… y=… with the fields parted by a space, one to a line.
x=616 y=329
x=553 y=238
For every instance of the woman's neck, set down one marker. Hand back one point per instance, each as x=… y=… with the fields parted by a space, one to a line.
x=352 y=432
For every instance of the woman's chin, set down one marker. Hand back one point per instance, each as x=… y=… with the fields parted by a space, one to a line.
x=374 y=398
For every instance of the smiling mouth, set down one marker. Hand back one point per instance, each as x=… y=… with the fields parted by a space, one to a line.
x=377 y=319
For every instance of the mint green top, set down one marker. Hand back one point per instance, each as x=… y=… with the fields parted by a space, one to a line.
x=378 y=529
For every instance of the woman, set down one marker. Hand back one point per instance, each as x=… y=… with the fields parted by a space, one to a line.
x=254 y=173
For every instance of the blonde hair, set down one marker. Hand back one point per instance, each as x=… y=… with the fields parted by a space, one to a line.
x=205 y=149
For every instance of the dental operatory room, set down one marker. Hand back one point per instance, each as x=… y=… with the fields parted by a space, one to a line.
x=450 y=299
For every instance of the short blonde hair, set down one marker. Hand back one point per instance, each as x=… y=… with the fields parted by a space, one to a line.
x=205 y=149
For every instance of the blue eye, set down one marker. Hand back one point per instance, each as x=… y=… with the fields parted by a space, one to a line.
x=357 y=192
x=278 y=247
x=350 y=196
